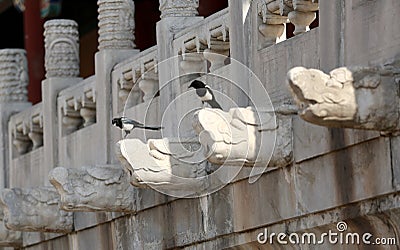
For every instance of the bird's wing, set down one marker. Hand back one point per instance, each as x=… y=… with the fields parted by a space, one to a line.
x=130 y=121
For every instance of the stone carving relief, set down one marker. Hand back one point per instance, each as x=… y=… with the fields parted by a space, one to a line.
x=116 y=24
x=100 y=188
x=9 y=238
x=13 y=75
x=178 y=8
x=351 y=97
x=244 y=136
x=163 y=163
x=61 y=48
x=34 y=209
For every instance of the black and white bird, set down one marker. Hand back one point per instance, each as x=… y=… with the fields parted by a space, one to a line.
x=204 y=92
x=127 y=125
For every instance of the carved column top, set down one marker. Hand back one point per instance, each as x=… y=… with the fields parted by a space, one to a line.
x=116 y=24
x=61 y=48
x=13 y=75
x=178 y=8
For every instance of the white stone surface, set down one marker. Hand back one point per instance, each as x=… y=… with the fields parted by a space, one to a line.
x=62 y=48
x=34 y=209
x=13 y=75
x=9 y=238
x=116 y=24
x=240 y=136
x=92 y=189
x=163 y=164
x=178 y=8
x=350 y=97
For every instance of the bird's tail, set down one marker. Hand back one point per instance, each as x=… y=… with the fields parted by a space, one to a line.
x=150 y=127
x=214 y=104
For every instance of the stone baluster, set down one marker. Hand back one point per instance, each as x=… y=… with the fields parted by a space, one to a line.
x=13 y=99
x=62 y=71
x=192 y=63
x=88 y=111
x=272 y=25
x=71 y=119
x=149 y=85
x=216 y=54
x=21 y=143
x=303 y=15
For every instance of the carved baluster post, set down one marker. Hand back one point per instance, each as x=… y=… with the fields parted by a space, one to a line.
x=149 y=85
x=272 y=25
x=116 y=43
x=176 y=15
x=216 y=54
x=13 y=99
x=62 y=71
x=303 y=15
x=192 y=63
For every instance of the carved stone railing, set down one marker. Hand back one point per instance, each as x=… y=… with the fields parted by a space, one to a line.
x=136 y=79
x=77 y=106
x=34 y=209
x=349 y=97
x=9 y=238
x=273 y=14
x=164 y=164
x=209 y=40
x=245 y=136
x=26 y=130
x=91 y=189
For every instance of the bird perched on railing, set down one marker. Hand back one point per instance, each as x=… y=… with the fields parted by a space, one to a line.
x=127 y=125
x=205 y=94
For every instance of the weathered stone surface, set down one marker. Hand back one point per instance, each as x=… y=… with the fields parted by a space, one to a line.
x=34 y=209
x=13 y=75
x=100 y=188
x=351 y=97
x=116 y=24
x=9 y=237
x=62 y=48
x=243 y=136
x=164 y=164
x=344 y=176
x=178 y=8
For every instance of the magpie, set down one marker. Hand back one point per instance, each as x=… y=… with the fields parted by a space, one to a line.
x=127 y=125
x=205 y=93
